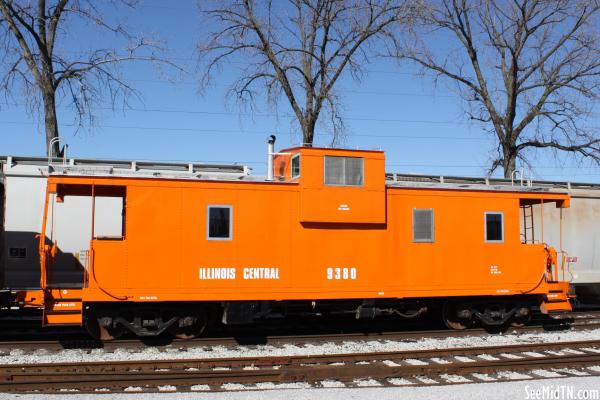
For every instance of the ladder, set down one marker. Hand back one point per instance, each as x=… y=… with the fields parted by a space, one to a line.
x=528 y=234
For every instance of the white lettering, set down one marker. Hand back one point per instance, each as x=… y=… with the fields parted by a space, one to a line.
x=556 y=392
x=229 y=273
x=261 y=273
x=341 y=273
x=216 y=273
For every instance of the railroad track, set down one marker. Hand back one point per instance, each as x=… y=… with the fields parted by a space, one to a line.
x=417 y=368
x=573 y=321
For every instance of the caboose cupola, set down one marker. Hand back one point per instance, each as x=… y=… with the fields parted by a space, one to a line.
x=336 y=185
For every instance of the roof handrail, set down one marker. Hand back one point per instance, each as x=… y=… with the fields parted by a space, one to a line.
x=51 y=144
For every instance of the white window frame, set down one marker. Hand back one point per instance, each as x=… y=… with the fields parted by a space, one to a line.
x=432 y=240
x=485 y=214
x=297 y=155
x=362 y=172
x=228 y=206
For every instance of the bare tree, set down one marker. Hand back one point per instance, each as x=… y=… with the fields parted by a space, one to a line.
x=297 y=49
x=29 y=32
x=528 y=69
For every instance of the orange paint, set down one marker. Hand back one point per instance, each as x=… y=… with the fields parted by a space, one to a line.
x=296 y=238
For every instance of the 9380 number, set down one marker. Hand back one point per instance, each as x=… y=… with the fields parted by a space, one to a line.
x=337 y=273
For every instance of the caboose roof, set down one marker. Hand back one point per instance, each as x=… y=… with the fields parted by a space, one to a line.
x=331 y=150
x=198 y=171
x=42 y=166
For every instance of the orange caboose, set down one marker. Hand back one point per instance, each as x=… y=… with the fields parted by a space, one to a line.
x=324 y=232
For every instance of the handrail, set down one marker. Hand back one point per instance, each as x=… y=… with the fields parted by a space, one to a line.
x=566 y=260
x=530 y=180
x=42 y=244
x=93 y=275
x=522 y=177
x=552 y=261
x=513 y=175
x=51 y=154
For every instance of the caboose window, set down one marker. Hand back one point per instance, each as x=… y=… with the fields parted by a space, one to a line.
x=109 y=217
x=494 y=227
x=344 y=171
x=423 y=225
x=219 y=223
x=296 y=166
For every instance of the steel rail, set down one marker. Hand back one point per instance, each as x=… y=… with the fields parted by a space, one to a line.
x=89 y=376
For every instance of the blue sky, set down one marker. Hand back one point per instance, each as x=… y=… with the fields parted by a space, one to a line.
x=422 y=128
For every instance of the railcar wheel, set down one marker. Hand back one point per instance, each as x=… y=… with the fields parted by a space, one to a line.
x=99 y=328
x=189 y=326
x=518 y=324
x=455 y=317
x=521 y=317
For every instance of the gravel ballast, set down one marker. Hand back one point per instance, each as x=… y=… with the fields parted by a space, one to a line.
x=149 y=353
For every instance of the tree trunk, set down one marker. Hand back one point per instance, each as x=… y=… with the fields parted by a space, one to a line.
x=308 y=132
x=509 y=163
x=51 y=122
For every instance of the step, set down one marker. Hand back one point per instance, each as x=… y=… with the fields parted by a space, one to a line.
x=552 y=297
x=557 y=298
x=548 y=307
x=62 y=319
x=63 y=311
